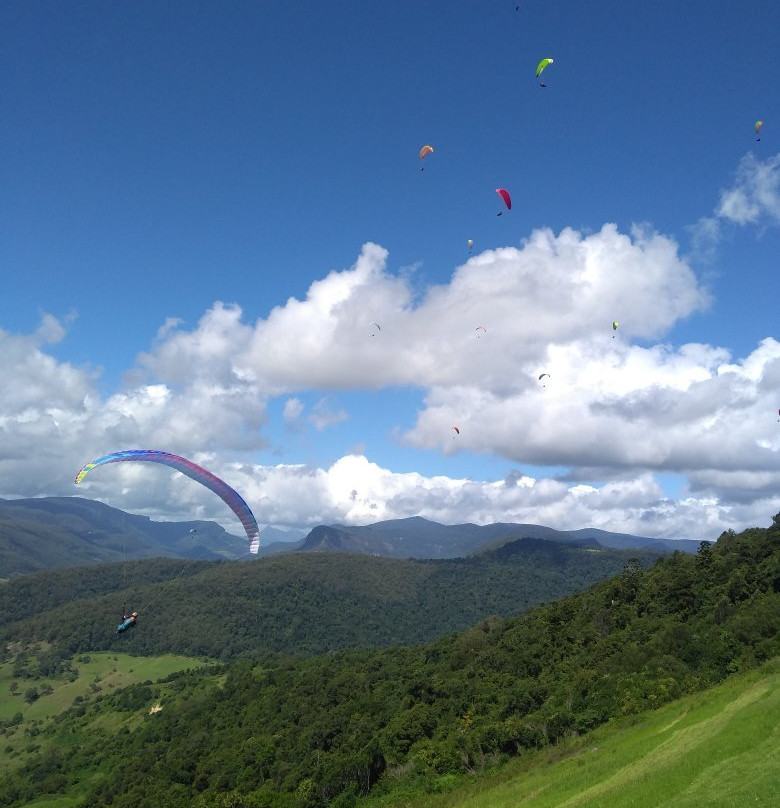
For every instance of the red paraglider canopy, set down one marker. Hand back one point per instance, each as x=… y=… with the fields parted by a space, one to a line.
x=504 y=194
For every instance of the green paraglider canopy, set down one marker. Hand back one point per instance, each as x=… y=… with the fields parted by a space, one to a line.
x=542 y=65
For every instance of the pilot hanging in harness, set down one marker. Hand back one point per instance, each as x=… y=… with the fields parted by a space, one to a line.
x=128 y=621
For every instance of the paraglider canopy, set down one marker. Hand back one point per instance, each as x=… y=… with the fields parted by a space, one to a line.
x=469 y=243
x=425 y=151
x=542 y=66
x=757 y=128
x=195 y=472
x=504 y=194
x=456 y=429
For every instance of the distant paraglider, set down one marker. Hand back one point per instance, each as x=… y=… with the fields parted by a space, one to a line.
x=424 y=152
x=757 y=126
x=504 y=194
x=542 y=375
x=541 y=67
x=481 y=328
x=228 y=495
x=615 y=325
x=377 y=327
x=456 y=430
x=470 y=244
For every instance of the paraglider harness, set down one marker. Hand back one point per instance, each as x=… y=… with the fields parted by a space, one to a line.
x=128 y=621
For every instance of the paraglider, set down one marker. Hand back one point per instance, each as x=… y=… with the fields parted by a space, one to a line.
x=504 y=194
x=470 y=243
x=457 y=430
x=541 y=67
x=377 y=326
x=615 y=325
x=424 y=152
x=128 y=621
x=542 y=375
x=481 y=328
x=757 y=127
x=229 y=496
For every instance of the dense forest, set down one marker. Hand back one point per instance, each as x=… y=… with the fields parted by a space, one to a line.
x=294 y=603
x=280 y=732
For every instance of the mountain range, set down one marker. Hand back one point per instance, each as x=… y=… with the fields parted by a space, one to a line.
x=47 y=532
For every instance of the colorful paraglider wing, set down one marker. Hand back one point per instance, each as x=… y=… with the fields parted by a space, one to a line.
x=542 y=65
x=504 y=194
x=757 y=126
x=615 y=325
x=228 y=495
x=425 y=151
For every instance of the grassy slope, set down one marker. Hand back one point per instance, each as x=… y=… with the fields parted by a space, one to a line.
x=717 y=749
x=102 y=672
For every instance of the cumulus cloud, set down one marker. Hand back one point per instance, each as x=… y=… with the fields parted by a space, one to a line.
x=753 y=199
x=291 y=414
x=755 y=196
x=325 y=414
x=616 y=407
x=355 y=490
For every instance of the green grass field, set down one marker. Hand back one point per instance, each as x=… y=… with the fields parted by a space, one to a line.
x=718 y=749
x=102 y=672
x=98 y=673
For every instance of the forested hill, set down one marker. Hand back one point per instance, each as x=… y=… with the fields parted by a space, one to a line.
x=321 y=731
x=294 y=603
x=46 y=532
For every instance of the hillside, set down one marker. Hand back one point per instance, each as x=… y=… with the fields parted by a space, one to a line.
x=390 y=723
x=295 y=603
x=716 y=749
x=49 y=532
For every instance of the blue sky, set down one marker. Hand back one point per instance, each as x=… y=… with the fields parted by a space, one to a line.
x=174 y=162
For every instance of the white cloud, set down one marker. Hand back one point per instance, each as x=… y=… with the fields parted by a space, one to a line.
x=356 y=491
x=755 y=197
x=611 y=410
x=619 y=408
x=324 y=414
x=291 y=414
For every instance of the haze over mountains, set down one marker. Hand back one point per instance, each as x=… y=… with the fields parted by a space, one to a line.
x=416 y=537
x=40 y=533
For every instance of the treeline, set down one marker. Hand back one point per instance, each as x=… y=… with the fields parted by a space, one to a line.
x=299 y=603
x=323 y=731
